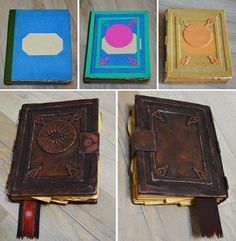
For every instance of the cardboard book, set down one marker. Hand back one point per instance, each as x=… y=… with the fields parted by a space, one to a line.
x=38 y=47
x=118 y=47
x=197 y=46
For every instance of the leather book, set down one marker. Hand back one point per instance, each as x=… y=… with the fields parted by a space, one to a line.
x=56 y=143
x=118 y=47
x=197 y=46
x=38 y=47
x=175 y=158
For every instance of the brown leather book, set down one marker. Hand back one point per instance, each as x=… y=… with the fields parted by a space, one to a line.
x=55 y=158
x=175 y=158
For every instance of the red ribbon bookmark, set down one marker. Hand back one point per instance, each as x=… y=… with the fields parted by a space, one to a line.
x=28 y=220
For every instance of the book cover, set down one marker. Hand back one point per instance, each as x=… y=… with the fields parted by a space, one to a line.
x=175 y=158
x=55 y=159
x=118 y=47
x=38 y=47
x=55 y=143
x=197 y=46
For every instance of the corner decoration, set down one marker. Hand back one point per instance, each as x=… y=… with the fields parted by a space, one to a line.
x=118 y=46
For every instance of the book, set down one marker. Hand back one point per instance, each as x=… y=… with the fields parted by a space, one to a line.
x=175 y=157
x=197 y=46
x=38 y=47
x=56 y=143
x=118 y=47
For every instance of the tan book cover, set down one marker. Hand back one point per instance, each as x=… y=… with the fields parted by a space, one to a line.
x=197 y=46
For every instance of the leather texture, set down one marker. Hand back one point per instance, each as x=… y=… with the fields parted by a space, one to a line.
x=210 y=224
x=56 y=143
x=143 y=140
x=186 y=160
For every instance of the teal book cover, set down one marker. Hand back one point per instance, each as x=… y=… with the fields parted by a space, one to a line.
x=118 y=47
x=38 y=47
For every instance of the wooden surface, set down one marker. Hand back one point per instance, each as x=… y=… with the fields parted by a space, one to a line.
x=106 y=5
x=58 y=222
x=5 y=6
x=229 y=6
x=173 y=223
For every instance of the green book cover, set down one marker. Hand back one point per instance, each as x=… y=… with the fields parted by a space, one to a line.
x=118 y=47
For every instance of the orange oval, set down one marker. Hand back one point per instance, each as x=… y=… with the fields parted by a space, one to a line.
x=197 y=35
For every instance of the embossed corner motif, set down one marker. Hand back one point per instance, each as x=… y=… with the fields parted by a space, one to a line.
x=157 y=114
x=72 y=171
x=185 y=60
x=198 y=36
x=58 y=135
x=192 y=120
x=33 y=173
x=161 y=171
x=202 y=175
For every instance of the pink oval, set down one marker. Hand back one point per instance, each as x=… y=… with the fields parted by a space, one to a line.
x=118 y=35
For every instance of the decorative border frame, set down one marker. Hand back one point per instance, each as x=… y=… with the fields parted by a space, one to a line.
x=172 y=51
x=146 y=185
x=99 y=44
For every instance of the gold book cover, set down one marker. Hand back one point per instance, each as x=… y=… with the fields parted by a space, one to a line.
x=197 y=46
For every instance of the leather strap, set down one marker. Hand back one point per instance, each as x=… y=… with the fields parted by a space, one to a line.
x=28 y=220
x=143 y=140
x=208 y=216
x=89 y=143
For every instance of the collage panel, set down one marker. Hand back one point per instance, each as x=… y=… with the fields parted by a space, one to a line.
x=117 y=120
x=115 y=43
x=38 y=44
x=57 y=139
x=167 y=184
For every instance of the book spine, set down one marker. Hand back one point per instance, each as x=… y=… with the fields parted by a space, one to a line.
x=10 y=45
x=166 y=46
x=147 y=47
x=13 y=164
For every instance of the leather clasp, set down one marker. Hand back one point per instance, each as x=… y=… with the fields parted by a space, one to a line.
x=143 y=140
x=89 y=143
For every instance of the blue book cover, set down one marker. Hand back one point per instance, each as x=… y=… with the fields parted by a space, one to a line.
x=38 y=47
x=118 y=47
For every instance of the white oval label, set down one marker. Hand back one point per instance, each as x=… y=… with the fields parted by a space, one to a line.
x=42 y=44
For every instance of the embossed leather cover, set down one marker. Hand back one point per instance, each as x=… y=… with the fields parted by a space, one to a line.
x=197 y=46
x=176 y=149
x=56 y=150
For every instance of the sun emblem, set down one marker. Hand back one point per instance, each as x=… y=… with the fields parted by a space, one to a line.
x=57 y=136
